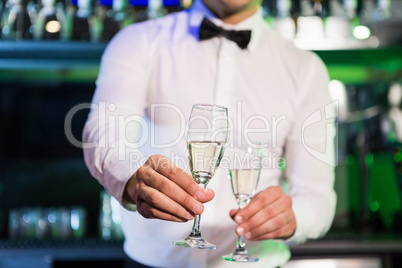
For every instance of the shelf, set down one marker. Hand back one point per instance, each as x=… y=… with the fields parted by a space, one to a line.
x=65 y=52
x=46 y=61
x=355 y=66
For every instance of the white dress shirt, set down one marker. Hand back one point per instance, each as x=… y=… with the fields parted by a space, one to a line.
x=152 y=73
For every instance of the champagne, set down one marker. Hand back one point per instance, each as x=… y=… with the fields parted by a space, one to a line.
x=204 y=158
x=244 y=183
x=244 y=173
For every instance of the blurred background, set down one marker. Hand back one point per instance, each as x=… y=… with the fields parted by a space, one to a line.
x=54 y=214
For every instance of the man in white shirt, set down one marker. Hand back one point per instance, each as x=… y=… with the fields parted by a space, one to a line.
x=151 y=74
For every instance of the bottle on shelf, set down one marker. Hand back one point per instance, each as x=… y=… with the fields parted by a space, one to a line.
x=367 y=10
x=171 y=5
x=109 y=218
x=338 y=24
x=377 y=10
x=269 y=11
x=186 y=3
x=33 y=8
x=137 y=11
x=109 y=18
x=155 y=9
x=79 y=16
x=351 y=10
x=2 y=9
x=49 y=22
x=141 y=10
x=120 y=11
x=283 y=22
x=17 y=23
x=5 y=11
x=310 y=25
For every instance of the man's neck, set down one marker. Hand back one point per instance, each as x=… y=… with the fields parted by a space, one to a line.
x=231 y=16
x=237 y=17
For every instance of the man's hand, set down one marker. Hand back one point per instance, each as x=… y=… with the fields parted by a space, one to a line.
x=162 y=190
x=269 y=215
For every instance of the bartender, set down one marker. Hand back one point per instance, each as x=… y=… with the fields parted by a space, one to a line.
x=222 y=52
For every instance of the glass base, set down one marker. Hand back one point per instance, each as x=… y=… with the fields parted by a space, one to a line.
x=239 y=257
x=194 y=242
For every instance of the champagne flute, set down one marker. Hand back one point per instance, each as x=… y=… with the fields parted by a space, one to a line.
x=207 y=134
x=244 y=174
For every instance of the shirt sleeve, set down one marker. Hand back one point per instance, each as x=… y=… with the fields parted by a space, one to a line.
x=112 y=135
x=310 y=155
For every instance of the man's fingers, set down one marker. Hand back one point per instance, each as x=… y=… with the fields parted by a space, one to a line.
x=284 y=232
x=185 y=181
x=170 y=189
x=154 y=204
x=153 y=213
x=262 y=200
x=267 y=226
x=168 y=169
x=162 y=190
x=174 y=192
x=265 y=215
x=209 y=195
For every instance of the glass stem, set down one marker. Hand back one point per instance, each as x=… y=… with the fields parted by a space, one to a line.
x=241 y=243
x=196 y=232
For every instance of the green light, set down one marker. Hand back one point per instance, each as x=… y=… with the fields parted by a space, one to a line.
x=392 y=136
x=270 y=20
x=398 y=157
x=369 y=159
x=350 y=159
x=361 y=32
x=374 y=206
x=285 y=186
x=282 y=163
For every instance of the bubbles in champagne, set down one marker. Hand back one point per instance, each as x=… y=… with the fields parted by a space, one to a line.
x=204 y=159
x=244 y=183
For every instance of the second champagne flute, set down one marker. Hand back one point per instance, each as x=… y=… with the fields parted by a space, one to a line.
x=244 y=174
x=206 y=139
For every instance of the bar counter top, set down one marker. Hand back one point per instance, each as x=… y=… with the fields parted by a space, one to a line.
x=55 y=253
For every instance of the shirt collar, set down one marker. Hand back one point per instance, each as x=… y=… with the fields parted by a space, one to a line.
x=254 y=23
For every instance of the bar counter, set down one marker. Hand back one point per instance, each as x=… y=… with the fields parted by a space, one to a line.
x=337 y=250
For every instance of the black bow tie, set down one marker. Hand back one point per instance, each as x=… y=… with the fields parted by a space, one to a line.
x=209 y=30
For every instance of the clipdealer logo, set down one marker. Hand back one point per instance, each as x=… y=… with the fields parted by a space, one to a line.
x=329 y=115
x=128 y=133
